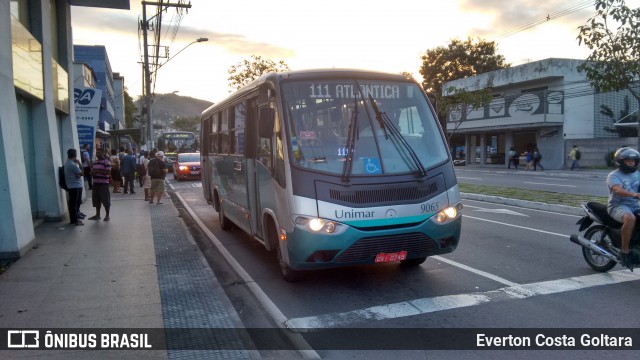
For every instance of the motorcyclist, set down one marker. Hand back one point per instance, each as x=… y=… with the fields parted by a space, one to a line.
x=624 y=184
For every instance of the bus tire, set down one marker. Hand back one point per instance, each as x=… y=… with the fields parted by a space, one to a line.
x=288 y=273
x=225 y=223
x=413 y=262
x=215 y=200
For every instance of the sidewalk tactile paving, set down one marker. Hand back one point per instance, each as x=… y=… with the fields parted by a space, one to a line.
x=189 y=296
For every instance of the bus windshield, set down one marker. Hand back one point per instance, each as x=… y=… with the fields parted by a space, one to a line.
x=328 y=119
x=177 y=142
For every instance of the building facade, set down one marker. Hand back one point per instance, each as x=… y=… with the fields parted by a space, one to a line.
x=37 y=122
x=546 y=105
x=96 y=57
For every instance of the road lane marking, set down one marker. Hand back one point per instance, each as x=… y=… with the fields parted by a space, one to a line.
x=495 y=210
x=476 y=271
x=468 y=178
x=536 y=183
x=449 y=302
x=516 y=226
x=517 y=207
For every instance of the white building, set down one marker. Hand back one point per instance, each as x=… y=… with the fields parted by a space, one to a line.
x=546 y=104
x=37 y=124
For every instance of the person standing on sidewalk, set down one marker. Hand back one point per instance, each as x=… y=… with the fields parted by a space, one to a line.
x=537 y=158
x=100 y=194
x=513 y=158
x=73 y=176
x=86 y=164
x=158 y=171
x=116 y=177
x=140 y=169
x=574 y=155
x=147 y=178
x=128 y=168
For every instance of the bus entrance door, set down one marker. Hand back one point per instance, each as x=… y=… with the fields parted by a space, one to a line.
x=253 y=148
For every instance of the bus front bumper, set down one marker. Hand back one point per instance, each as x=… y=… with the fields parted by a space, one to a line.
x=356 y=246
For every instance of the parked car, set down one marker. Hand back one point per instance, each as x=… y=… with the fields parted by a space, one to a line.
x=186 y=166
x=459 y=162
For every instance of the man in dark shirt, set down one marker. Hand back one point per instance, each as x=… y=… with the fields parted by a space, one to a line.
x=73 y=177
x=157 y=169
x=128 y=169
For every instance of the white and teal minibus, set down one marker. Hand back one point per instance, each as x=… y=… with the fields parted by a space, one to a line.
x=332 y=168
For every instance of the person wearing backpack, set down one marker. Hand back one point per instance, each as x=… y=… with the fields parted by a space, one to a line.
x=575 y=156
x=537 y=157
x=157 y=170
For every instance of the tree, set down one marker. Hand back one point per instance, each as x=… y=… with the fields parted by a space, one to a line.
x=613 y=36
x=250 y=69
x=186 y=123
x=458 y=60
x=130 y=111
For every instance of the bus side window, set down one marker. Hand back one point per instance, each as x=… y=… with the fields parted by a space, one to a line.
x=224 y=133
x=205 y=133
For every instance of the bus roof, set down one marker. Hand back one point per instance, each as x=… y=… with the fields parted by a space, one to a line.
x=275 y=77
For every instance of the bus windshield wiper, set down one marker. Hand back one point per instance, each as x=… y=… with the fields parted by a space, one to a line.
x=352 y=133
x=391 y=131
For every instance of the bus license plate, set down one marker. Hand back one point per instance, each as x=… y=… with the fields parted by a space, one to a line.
x=391 y=257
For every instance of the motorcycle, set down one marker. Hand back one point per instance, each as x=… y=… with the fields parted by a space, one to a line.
x=601 y=242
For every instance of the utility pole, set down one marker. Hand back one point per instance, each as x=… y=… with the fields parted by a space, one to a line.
x=147 y=70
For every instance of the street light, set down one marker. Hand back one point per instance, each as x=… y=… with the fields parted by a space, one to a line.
x=147 y=82
x=202 y=39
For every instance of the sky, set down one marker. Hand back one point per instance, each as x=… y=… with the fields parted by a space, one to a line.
x=383 y=35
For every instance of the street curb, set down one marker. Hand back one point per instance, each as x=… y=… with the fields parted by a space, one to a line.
x=302 y=347
x=563 y=209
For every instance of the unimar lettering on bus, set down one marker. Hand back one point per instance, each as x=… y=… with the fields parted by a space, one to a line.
x=353 y=214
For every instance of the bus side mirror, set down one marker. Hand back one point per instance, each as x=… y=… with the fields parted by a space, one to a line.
x=266 y=122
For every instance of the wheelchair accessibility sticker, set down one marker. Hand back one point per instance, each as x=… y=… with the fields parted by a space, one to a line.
x=372 y=165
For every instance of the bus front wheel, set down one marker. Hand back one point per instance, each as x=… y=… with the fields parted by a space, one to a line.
x=287 y=272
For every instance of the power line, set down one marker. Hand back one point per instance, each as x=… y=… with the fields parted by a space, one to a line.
x=577 y=7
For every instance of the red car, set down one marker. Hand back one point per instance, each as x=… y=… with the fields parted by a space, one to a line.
x=186 y=166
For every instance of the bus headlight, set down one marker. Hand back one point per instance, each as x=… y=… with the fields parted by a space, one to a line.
x=447 y=214
x=316 y=225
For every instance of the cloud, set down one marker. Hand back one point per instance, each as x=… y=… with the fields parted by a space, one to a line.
x=235 y=43
x=104 y=21
x=125 y=24
x=512 y=16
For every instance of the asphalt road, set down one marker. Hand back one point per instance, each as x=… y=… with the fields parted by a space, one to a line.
x=514 y=268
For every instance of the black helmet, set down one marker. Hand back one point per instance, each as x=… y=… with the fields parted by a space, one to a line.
x=627 y=153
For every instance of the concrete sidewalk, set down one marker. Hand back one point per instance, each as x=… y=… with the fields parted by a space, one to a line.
x=141 y=269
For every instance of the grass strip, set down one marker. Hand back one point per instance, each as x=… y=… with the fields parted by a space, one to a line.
x=548 y=197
